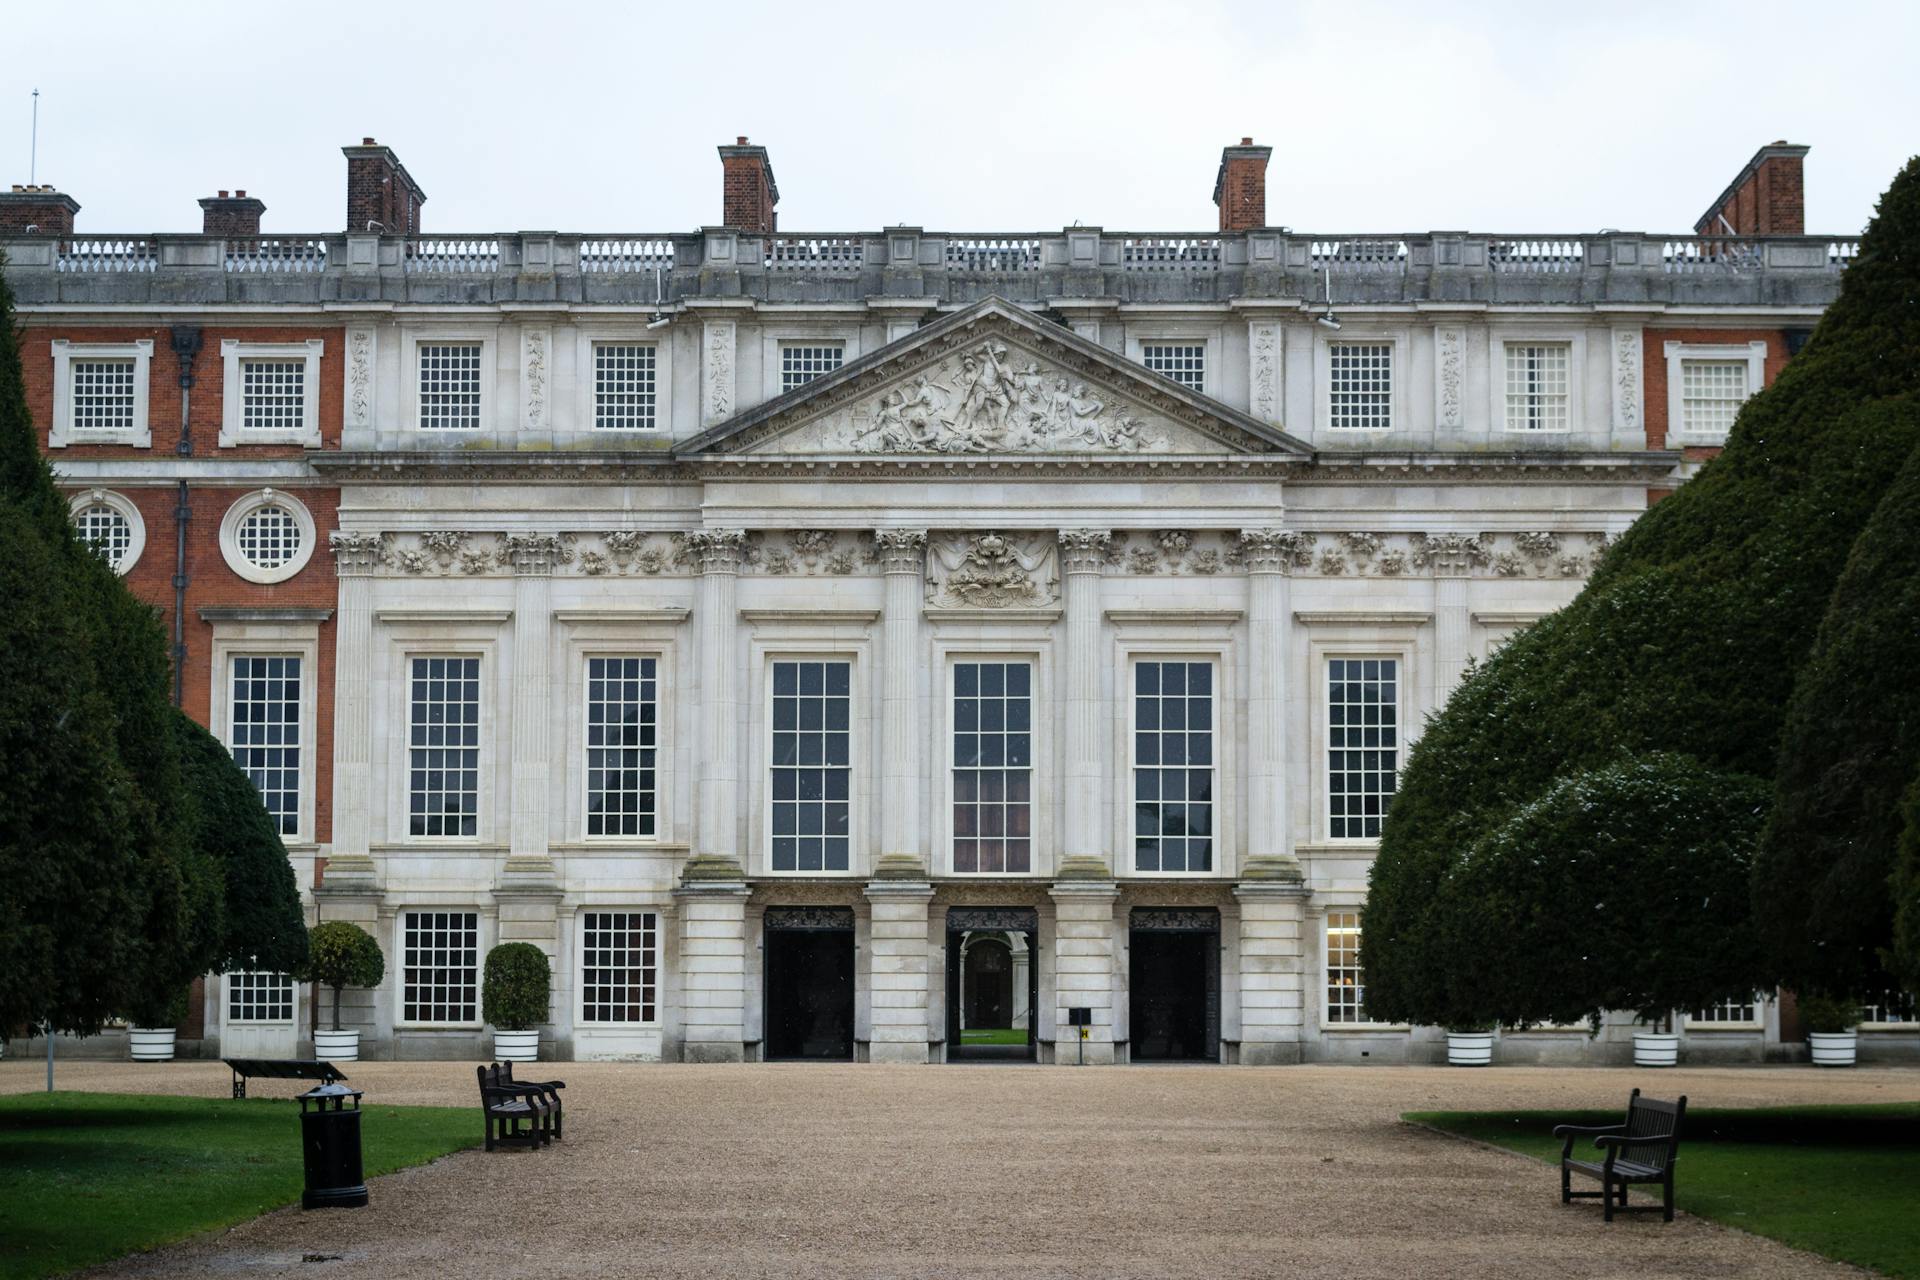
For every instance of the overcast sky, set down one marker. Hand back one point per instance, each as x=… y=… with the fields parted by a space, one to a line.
x=978 y=116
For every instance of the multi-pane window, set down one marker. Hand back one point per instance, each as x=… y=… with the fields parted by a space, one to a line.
x=273 y=395
x=105 y=530
x=623 y=386
x=622 y=739
x=268 y=536
x=1537 y=386
x=1360 y=386
x=1363 y=744
x=443 y=789
x=1728 y=1011
x=259 y=997
x=619 y=966
x=1346 y=981
x=1892 y=1007
x=1184 y=362
x=1173 y=766
x=1711 y=393
x=440 y=967
x=811 y=761
x=265 y=733
x=450 y=386
x=102 y=395
x=993 y=767
x=802 y=362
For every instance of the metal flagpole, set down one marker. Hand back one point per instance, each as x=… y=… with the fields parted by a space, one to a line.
x=48 y=1028
x=33 y=169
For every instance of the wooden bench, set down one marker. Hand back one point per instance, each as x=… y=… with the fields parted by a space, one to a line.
x=549 y=1089
x=514 y=1113
x=280 y=1069
x=1641 y=1150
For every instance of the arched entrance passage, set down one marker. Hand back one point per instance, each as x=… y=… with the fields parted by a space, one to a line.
x=991 y=983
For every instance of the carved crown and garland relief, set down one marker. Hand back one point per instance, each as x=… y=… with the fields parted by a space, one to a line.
x=979 y=570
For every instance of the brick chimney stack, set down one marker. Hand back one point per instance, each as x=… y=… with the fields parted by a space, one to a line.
x=1241 y=187
x=748 y=192
x=46 y=211
x=1768 y=198
x=236 y=216
x=381 y=191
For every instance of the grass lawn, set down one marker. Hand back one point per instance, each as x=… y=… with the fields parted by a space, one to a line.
x=87 y=1177
x=1839 y=1181
x=990 y=1035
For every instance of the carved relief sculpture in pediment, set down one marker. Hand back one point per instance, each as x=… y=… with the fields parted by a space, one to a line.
x=992 y=571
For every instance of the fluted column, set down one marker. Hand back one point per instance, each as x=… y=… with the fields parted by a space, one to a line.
x=1083 y=844
x=533 y=557
x=1452 y=558
x=903 y=558
x=356 y=557
x=713 y=890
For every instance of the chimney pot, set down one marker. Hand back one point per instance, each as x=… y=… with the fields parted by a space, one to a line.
x=366 y=142
x=1246 y=142
x=223 y=195
x=741 y=140
x=241 y=194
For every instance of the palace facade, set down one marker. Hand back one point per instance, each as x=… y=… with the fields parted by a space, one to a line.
x=900 y=646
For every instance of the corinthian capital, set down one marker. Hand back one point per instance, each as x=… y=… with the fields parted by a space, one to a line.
x=356 y=555
x=1450 y=555
x=901 y=550
x=536 y=553
x=1274 y=550
x=1084 y=550
x=718 y=550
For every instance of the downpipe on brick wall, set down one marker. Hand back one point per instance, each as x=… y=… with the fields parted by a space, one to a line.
x=186 y=346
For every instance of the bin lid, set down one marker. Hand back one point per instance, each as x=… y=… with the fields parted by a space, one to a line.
x=322 y=1093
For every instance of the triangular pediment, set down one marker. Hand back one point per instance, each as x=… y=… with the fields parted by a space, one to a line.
x=993 y=380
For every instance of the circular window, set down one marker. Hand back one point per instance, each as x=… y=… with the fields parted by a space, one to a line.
x=111 y=525
x=267 y=536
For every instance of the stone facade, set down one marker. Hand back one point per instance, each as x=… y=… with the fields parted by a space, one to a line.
x=727 y=455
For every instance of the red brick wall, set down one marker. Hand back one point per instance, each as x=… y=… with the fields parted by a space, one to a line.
x=1243 y=194
x=746 y=200
x=1653 y=343
x=1771 y=202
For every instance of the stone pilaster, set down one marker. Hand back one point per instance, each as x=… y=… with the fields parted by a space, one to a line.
x=1269 y=555
x=712 y=919
x=903 y=853
x=1273 y=953
x=533 y=557
x=1084 y=966
x=1083 y=846
x=717 y=853
x=897 y=982
x=1452 y=558
x=350 y=868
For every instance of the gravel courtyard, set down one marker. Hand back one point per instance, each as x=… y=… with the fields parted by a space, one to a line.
x=808 y=1170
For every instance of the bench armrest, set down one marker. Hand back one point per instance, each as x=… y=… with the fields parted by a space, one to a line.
x=1621 y=1140
x=1566 y=1130
x=509 y=1091
x=549 y=1085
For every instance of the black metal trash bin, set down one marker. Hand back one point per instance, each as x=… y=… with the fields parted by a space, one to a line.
x=330 y=1140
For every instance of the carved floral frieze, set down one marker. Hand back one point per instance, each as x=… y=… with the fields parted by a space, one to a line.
x=992 y=571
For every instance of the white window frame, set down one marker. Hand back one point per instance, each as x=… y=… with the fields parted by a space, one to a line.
x=812 y=635
x=136 y=527
x=661 y=921
x=1323 y=761
x=227 y=1018
x=623 y=633
x=799 y=335
x=1912 y=1024
x=1407 y=637
x=62 y=432
x=404 y=763
x=1678 y=353
x=1757 y=1023
x=585 y=342
x=246 y=506
x=233 y=428
x=488 y=342
x=273 y=640
x=1358 y=335
x=1205 y=337
x=483 y=928
x=1327 y=1024
x=1218 y=729
x=1576 y=345
x=661 y=749
x=1037 y=724
x=407 y=634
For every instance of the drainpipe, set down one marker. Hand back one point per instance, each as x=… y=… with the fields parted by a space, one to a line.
x=186 y=346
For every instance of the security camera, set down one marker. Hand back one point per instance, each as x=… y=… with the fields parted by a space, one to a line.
x=660 y=320
x=1327 y=320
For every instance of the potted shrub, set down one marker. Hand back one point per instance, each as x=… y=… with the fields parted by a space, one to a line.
x=151 y=1037
x=1657 y=1046
x=341 y=955
x=519 y=987
x=1470 y=1045
x=1831 y=1034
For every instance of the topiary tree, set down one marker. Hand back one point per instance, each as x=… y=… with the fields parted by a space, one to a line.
x=519 y=987
x=1621 y=887
x=1905 y=957
x=1690 y=633
x=342 y=955
x=261 y=923
x=1852 y=748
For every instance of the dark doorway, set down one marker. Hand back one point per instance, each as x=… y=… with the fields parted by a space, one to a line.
x=993 y=966
x=1174 y=986
x=809 y=998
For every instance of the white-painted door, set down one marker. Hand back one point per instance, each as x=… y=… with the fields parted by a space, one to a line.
x=261 y=1012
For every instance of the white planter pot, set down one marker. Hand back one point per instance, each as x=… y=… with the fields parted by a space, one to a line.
x=1469 y=1048
x=516 y=1046
x=1651 y=1049
x=336 y=1046
x=1833 y=1049
x=151 y=1044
